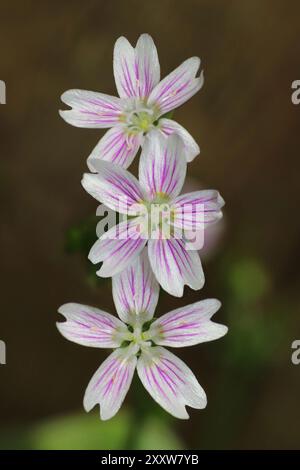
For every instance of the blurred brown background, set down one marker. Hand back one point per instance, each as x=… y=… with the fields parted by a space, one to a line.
x=248 y=131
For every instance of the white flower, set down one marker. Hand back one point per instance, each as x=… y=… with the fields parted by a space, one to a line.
x=143 y=102
x=162 y=171
x=138 y=340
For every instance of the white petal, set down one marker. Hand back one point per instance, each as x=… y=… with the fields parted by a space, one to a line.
x=136 y=71
x=118 y=247
x=135 y=290
x=168 y=127
x=178 y=87
x=194 y=211
x=188 y=325
x=124 y=62
x=147 y=65
x=162 y=166
x=116 y=146
x=174 y=266
x=170 y=382
x=113 y=186
x=91 y=109
x=90 y=326
x=109 y=385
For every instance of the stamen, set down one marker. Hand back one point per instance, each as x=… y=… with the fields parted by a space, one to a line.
x=140 y=118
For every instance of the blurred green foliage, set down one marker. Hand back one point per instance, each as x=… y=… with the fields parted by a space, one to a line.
x=247 y=280
x=79 y=239
x=257 y=332
x=86 y=431
x=256 y=327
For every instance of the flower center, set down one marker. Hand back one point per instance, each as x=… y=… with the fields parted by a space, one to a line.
x=138 y=336
x=139 y=118
x=142 y=121
x=158 y=217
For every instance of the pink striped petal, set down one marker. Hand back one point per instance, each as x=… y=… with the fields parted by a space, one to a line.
x=170 y=382
x=137 y=70
x=162 y=167
x=188 y=325
x=109 y=385
x=174 y=266
x=115 y=187
x=116 y=146
x=178 y=87
x=168 y=127
x=91 y=109
x=90 y=326
x=193 y=211
x=135 y=291
x=146 y=66
x=124 y=71
x=118 y=247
